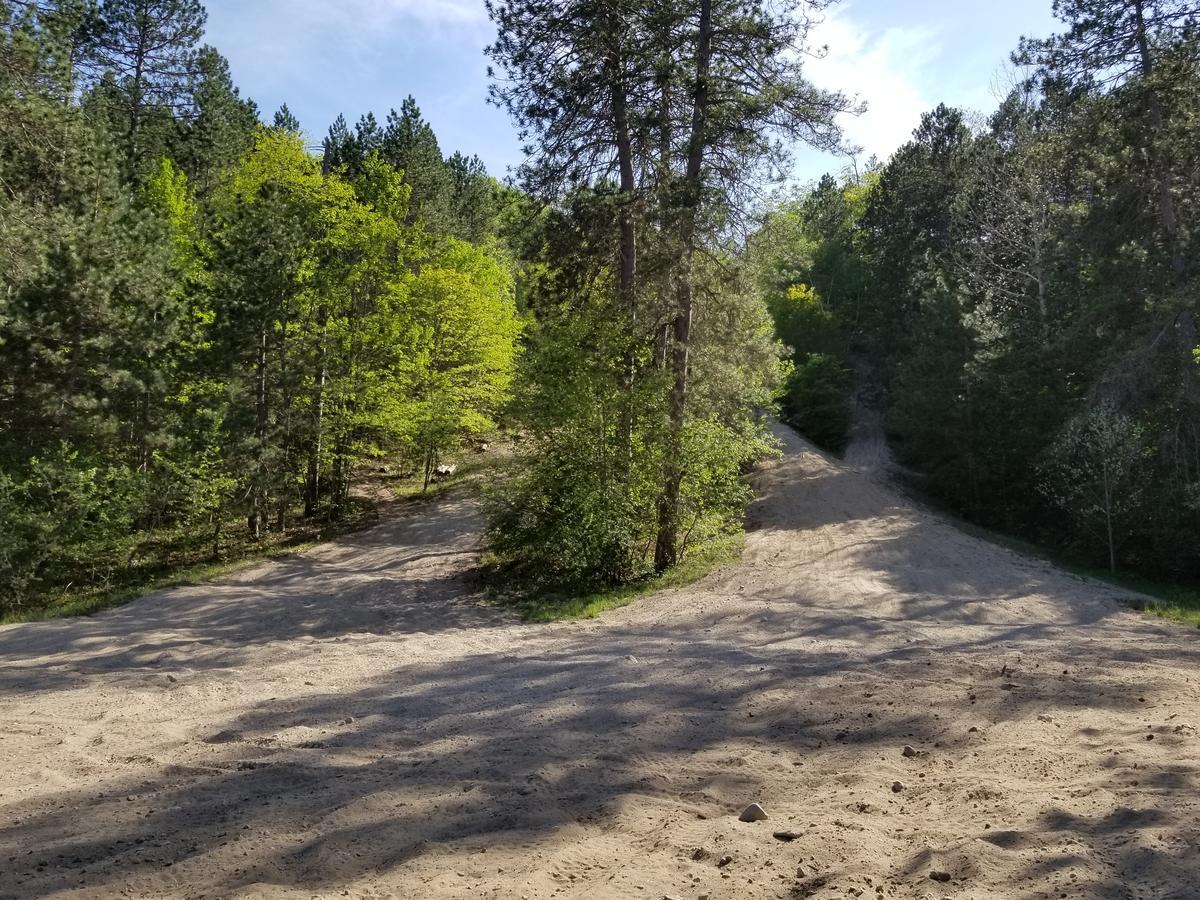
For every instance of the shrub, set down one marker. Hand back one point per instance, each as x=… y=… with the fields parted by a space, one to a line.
x=817 y=400
x=60 y=510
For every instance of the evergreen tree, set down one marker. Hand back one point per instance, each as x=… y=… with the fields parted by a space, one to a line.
x=221 y=126
x=475 y=199
x=409 y=144
x=656 y=122
x=745 y=87
x=368 y=135
x=285 y=121
x=340 y=148
x=150 y=48
x=1108 y=43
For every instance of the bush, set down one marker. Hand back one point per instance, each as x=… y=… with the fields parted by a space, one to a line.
x=817 y=400
x=579 y=515
x=579 y=509
x=804 y=323
x=714 y=494
x=562 y=524
x=59 y=511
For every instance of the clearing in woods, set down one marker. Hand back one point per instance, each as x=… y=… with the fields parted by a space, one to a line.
x=352 y=722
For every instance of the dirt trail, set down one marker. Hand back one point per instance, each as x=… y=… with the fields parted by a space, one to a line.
x=352 y=722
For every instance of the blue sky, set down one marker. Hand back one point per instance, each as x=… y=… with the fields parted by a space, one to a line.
x=900 y=56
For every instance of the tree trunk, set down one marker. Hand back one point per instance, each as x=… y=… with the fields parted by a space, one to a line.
x=216 y=534
x=430 y=462
x=627 y=262
x=666 y=550
x=312 y=483
x=1106 y=484
x=339 y=488
x=136 y=101
x=1039 y=270
x=258 y=493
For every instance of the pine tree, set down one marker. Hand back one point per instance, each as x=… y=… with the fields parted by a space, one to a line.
x=286 y=121
x=150 y=48
x=744 y=87
x=409 y=144
x=340 y=148
x=475 y=199
x=221 y=126
x=368 y=135
x=1109 y=43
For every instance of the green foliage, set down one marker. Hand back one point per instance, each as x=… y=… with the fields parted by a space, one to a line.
x=804 y=323
x=285 y=120
x=1096 y=472
x=63 y=509
x=453 y=196
x=198 y=320
x=817 y=399
x=650 y=126
x=992 y=282
x=814 y=239
x=465 y=347
x=147 y=55
x=218 y=128
x=554 y=606
x=713 y=492
x=580 y=508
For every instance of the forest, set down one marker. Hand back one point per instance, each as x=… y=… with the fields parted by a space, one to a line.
x=654 y=518
x=210 y=329
x=207 y=328
x=1016 y=293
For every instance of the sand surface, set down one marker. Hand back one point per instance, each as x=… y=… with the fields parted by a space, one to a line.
x=353 y=723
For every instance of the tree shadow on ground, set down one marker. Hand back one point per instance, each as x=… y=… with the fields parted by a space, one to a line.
x=510 y=748
x=408 y=574
x=559 y=728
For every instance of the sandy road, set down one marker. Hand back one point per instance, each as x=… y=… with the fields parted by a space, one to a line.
x=352 y=722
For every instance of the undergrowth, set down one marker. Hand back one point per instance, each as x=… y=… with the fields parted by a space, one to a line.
x=554 y=605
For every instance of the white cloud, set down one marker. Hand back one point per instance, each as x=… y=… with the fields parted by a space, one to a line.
x=886 y=68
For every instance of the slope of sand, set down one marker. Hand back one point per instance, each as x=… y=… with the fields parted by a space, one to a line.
x=352 y=722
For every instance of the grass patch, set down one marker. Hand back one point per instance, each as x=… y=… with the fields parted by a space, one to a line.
x=1174 y=602
x=474 y=469
x=92 y=600
x=557 y=606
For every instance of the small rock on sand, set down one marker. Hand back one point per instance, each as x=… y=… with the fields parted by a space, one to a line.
x=940 y=876
x=785 y=836
x=753 y=813
x=897 y=787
